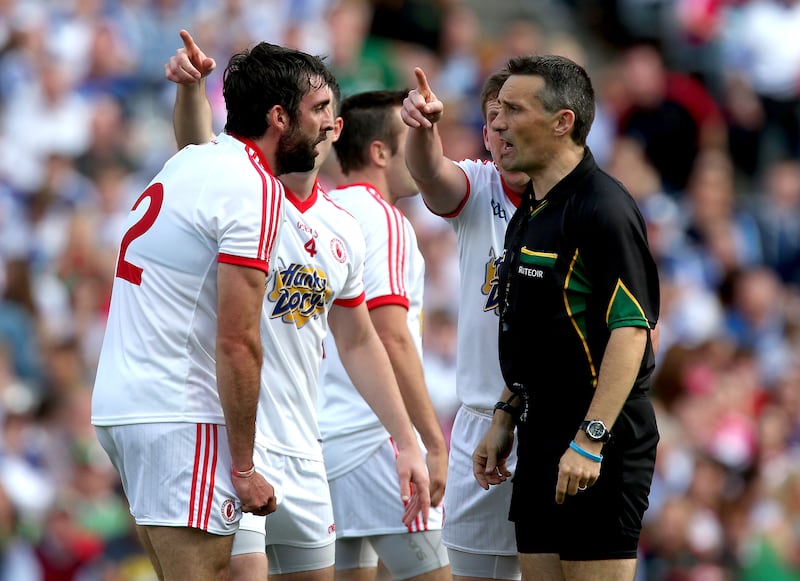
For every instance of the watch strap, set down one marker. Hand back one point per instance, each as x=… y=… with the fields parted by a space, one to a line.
x=508 y=408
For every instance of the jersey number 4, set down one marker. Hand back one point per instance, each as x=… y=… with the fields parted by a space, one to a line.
x=126 y=270
x=311 y=247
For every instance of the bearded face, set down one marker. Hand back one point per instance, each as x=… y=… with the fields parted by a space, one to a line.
x=296 y=150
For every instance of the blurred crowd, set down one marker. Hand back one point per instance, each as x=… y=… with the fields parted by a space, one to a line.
x=698 y=115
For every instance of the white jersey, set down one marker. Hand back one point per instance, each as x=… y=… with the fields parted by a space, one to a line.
x=319 y=260
x=211 y=203
x=480 y=225
x=393 y=275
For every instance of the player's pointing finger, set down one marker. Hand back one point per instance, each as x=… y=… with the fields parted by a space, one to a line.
x=422 y=83
x=188 y=41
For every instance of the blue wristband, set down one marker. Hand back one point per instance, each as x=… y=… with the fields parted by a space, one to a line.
x=585 y=453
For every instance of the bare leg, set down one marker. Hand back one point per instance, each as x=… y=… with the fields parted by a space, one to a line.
x=180 y=553
x=610 y=570
x=250 y=567
x=440 y=574
x=363 y=574
x=326 y=574
x=541 y=567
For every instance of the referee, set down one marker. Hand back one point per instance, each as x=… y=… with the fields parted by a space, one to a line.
x=579 y=297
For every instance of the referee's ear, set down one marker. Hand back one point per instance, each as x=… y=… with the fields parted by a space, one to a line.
x=564 y=122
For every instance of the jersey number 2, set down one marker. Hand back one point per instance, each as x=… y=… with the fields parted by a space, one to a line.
x=126 y=270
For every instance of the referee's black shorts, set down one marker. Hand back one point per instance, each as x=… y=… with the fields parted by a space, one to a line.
x=602 y=522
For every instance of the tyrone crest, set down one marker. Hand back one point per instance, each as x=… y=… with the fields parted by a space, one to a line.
x=338 y=251
x=228 y=510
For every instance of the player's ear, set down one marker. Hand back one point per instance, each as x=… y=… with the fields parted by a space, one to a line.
x=379 y=153
x=278 y=118
x=338 y=123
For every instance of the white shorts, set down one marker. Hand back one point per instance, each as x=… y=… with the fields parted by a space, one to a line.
x=366 y=500
x=476 y=519
x=175 y=474
x=304 y=517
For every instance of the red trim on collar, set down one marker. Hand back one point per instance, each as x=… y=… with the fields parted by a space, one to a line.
x=303 y=205
x=259 y=153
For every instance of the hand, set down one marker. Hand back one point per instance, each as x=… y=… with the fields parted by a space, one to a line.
x=437 y=472
x=256 y=494
x=489 y=457
x=421 y=108
x=189 y=64
x=575 y=474
x=414 y=485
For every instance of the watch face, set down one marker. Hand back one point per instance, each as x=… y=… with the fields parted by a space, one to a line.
x=596 y=430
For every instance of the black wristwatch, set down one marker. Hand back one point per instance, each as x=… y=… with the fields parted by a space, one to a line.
x=596 y=430
x=508 y=408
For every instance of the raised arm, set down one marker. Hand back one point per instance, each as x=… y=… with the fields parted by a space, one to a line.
x=367 y=364
x=192 y=116
x=441 y=182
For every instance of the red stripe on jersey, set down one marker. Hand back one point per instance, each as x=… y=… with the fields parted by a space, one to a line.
x=197 y=448
x=256 y=263
x=272 y=192
x=388 y=300
x=396 y=244
x=400 y=256
x=275 y=216
x=354 y=302
x=203 y=480
x=213 y=429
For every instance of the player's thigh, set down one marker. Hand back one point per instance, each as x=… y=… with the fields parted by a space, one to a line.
x=185 y=553
x=367 y=500
x=353 y=555
x=249 y=552
x=419 y=556
x=301 y=564
x=300 y=534
x=186 y=480
x=467 y=566
x=251 y=536
x=542 y=567
x=251 y=566
x=477 y=519
x=606 y=570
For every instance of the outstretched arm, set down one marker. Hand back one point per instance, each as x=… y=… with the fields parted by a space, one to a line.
x=370 y=370
x=192 y=116
x=442 y=183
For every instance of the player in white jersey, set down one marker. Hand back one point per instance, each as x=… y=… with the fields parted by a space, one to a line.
x=176 y=391
x=478 y=199
x=317 y=278
x=358 y=451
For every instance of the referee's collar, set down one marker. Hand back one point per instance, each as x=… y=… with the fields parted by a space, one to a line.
x=569 y=183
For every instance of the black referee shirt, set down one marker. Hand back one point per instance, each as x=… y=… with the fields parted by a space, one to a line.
x=577 y=265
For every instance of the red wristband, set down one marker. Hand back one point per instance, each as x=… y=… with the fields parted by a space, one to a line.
x=244 y=473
